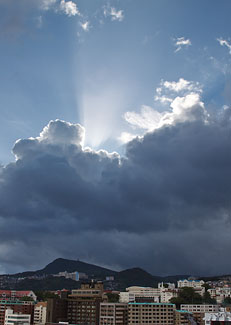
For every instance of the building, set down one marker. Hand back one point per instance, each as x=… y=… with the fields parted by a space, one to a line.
x=56 y=310
x=76 y=276
x=40 y=313
x=135 y=293
x=13 y=294
x=220 y=293
x=150 y=313
x=198 y=311
x=201 y=308
x=182 y=317
x=113 y=314
x=190 y=283
x=217 y=318
x=84 y=304
x=20 y=307
x=12 y=318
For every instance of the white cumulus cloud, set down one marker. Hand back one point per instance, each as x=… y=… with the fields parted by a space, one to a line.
x=181 y=42
x=184 y=105
x=69 y=8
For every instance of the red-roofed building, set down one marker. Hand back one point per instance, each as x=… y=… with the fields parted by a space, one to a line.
x=13 y=294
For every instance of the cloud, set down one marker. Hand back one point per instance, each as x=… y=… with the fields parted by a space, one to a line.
x=162 y=206
x=180 y=85
x=113 y=13
x=148 y=119
x=181 y=42
x=85 y=26
x=167 y=90
x=47 y=4
x=69 y=8
x=224 y=42
x=187 y=107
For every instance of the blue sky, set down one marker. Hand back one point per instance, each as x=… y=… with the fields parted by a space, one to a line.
x=149 y=83
x=52 y=68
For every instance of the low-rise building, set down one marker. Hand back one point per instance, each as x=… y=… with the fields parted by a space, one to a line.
x=220 y=293
x=135 y=292
x=14 y=294
x=12 y=318
x=217 y=318
x=183 y=317
x=190 y=283
x=200 y=308
x=23 y=307
x=150 y=313
x=113 y=314
x=198 y=311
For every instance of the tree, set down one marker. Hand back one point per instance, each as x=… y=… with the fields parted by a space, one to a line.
x=187 y=295
x=112 y=297
x=207 y=299
x=44 y=295
x=26 y=298
x=206 y=286
x=227 y=300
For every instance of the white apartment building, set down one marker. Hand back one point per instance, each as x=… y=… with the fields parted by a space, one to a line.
x=12 y=318
x=160 y=294
x=200 y=308
x=223 y=317
x=190 y=283
x=220 y=293
x=40 y=313
x=140 y=292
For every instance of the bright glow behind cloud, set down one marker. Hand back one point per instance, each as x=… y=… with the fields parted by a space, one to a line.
x=101 y=111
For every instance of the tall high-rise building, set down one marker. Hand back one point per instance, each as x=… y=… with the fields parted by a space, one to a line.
x=56 y=310
x=84 y=304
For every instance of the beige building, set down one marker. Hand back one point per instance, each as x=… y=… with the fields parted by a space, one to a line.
x=200 y=308
x=151 y=313
x=40 y=313
x=135 y=292
x=182 y=317
x=199 y=311
x=113 y=314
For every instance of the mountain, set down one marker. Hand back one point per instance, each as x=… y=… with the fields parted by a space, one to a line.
x=123 y=279
x=61 y=265
x=136 y=276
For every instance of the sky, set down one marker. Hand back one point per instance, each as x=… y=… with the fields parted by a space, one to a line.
x=115 y=134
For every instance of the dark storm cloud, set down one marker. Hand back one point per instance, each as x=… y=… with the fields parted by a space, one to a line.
x=164 y=206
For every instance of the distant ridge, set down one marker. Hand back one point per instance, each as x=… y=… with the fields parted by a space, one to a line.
x=61 y=265
x=123 y=279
